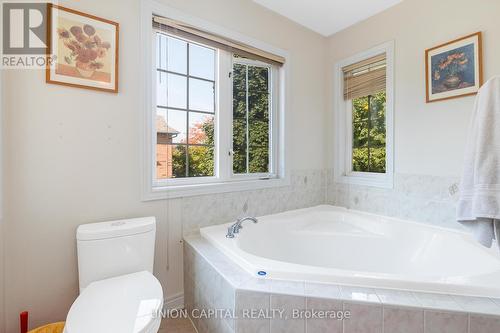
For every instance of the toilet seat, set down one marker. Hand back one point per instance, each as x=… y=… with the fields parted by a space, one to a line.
x=125 y=304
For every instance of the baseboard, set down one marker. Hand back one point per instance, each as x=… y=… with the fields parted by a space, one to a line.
x=174 y=302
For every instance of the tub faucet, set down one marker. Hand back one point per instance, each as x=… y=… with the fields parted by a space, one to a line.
x=235 y=228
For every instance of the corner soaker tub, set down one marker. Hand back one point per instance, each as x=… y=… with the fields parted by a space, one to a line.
x=337 y=245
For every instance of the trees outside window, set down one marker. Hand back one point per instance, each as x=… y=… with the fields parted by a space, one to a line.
x=369 y=133
x=186 y=111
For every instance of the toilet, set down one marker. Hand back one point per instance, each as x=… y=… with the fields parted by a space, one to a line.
x=118 y=292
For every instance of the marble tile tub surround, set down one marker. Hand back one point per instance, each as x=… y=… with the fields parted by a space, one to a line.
x=420 y=198
x=213 y=281
x=307 y=189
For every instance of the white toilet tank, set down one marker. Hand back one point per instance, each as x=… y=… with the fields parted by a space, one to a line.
x=114 y=248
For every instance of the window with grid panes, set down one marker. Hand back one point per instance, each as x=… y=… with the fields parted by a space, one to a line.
x=187 y=112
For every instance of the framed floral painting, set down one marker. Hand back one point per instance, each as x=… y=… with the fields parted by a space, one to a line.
x=84 y=49
x=454 y=69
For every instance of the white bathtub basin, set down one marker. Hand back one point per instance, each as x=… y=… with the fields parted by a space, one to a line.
x=337 y=245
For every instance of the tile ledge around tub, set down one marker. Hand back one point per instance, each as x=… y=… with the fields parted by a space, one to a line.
x=215 y=258
x=242 y=280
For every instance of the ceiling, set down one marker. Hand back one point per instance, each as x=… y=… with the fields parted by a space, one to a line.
x=327 y=16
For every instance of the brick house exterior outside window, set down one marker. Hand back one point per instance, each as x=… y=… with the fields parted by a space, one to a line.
x=164 y=148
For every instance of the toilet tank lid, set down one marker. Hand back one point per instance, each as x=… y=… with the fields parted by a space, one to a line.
x=117 y=228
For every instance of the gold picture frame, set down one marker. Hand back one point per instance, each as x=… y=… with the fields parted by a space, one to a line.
x=84 y=49
x=454 y=69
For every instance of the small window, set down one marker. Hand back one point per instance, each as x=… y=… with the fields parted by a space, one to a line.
x=364 y=118
x=369 y=133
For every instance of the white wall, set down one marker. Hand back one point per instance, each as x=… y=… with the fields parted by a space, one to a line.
x=2 y=238
x=73 y=156
x=429 y=138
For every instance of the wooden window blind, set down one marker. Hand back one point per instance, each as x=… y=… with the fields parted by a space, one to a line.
x=366 y=77
x=192 y=33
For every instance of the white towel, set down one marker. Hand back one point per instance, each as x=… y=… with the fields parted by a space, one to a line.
x=479 y=200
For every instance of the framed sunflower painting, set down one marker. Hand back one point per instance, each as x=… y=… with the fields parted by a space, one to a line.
x=84 y=50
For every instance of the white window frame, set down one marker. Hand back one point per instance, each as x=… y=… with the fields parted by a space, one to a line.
x=273 y=123
x=226 y=182
x=343 y=124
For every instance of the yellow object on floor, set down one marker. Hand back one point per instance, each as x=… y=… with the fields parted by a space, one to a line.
x=50 y=328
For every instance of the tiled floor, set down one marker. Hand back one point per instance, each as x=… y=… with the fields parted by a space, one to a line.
x=176 y=326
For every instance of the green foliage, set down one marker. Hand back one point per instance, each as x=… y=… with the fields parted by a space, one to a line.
x=179 y=161
x=201 y=158
x=239 y=146
x=369 y=133
x=200 y=161
x=258 y=119
x=239 y=91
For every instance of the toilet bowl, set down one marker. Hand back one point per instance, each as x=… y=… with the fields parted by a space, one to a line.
x=128 y=303
x=118 y=292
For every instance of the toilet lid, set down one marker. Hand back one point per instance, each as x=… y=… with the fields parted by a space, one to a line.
x=124 y=304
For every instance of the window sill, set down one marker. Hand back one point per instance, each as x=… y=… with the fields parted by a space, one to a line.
x=367 y=179
x=179 y=191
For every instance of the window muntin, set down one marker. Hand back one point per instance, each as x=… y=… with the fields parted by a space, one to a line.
x=369 y=133
x=251 y=118
x=196 y=143
x=185 y=111
x=183 y=27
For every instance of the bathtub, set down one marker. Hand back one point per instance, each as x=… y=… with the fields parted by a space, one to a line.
x=346 y=247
